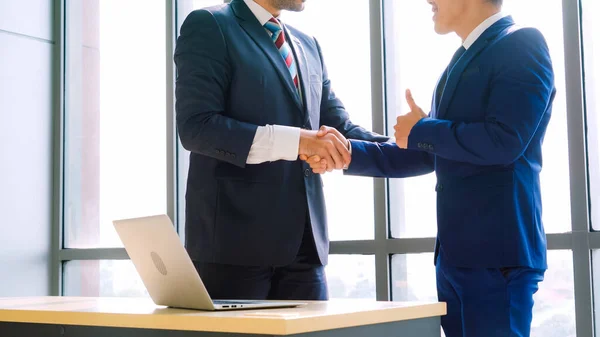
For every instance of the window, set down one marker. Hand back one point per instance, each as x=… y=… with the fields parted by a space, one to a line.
x=410 y=24
x=596 y=287
x=115 y=119
x=351 y=276
x=115 y=145
x=554 y=308
x=349 y=200
x=102 y=278
x=185 y=7
x=413 y=277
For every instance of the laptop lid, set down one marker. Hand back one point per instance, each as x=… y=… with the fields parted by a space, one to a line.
x=163 y=263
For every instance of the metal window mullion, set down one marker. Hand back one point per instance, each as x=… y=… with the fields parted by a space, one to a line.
x=578 y=167
x=170 y=114
x=362 y=247
x=92 y=254
x=382 y=270
x=410 y=246
x=576 y=116
x=57 y=148
x=594 y=240
x=560 y=241
x=582 y=280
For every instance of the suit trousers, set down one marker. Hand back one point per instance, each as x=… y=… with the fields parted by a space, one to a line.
x=486 y=302
x=303 y=279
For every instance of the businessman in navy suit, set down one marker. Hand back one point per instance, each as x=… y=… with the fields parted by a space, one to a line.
x=483 y=138
x=251 y=92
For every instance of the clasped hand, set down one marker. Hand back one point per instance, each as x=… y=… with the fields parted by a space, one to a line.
x=333 y=156
x=325 y=150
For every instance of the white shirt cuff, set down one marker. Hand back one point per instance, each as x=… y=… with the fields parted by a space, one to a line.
x=286 y=140
x=274 y=142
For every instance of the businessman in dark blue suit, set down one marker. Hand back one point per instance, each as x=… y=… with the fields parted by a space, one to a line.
x=251 y=91
x=483 y=138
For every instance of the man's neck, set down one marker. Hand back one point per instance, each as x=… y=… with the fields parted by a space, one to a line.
x=474 y=17
x=267 y=5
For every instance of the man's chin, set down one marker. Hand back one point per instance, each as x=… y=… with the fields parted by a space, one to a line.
x=441 y=29
x=298 y=8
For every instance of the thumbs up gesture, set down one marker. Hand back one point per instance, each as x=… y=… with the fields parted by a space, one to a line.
x=406 y=122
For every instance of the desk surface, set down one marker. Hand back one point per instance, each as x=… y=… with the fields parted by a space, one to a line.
x=143 y=313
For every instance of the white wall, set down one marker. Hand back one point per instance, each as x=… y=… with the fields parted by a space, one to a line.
x=26 y=107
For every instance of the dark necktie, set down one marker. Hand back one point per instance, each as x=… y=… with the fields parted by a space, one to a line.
x=444 y=79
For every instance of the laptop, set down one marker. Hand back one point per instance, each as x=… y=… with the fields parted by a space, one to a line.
x=167 y=270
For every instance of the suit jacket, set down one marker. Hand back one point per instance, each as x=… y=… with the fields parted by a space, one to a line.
x=484 y=142
x=231 y=79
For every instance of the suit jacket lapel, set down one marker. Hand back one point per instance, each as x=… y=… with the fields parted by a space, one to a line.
x=455 y=73
x=303 y=74
x=250 y=24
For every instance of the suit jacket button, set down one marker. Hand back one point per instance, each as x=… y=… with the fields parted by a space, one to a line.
x=420 y=145
x=307 y=172
x=430 y=147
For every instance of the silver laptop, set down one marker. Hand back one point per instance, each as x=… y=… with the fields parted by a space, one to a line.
x=167 y=270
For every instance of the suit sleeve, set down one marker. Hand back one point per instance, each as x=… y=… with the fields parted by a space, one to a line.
x=334 y=114
x=387 y=160
x=522 y=90
x=203 y=77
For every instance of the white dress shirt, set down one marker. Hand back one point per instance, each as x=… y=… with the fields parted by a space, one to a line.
x=476 y=33
x=271 y=142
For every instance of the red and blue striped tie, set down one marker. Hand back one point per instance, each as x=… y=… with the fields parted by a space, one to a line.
x=278 y=38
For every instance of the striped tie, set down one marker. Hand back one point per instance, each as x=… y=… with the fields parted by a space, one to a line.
x=278 y=38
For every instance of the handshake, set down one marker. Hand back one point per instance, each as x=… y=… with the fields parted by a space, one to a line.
x=324 y=150
x=327 y=149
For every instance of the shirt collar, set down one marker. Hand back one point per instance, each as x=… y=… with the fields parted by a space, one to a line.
x=262 y=15
x=476 y=33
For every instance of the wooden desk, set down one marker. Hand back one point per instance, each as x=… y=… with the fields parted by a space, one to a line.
x=122 y=317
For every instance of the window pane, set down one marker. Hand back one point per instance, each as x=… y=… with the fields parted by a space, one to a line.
x=351 y=276
x=354 y=89
x=596 y=288
x=554 y=310
x=409 y=23
x=115 y=130
x=185 y=7
x=591 y=45
x=102 y=278
x=413 y=279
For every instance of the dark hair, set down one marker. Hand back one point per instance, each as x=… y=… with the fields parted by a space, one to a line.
x=496 y=2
